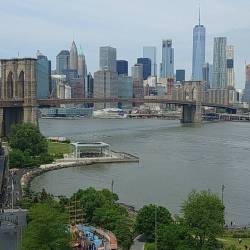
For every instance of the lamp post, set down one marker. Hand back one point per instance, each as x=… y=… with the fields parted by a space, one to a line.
x=222 y=194
x=155 y=227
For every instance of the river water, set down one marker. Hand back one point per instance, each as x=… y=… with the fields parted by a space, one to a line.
x=174 y=160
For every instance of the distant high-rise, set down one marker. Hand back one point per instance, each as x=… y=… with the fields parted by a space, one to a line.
x=199 y=44
x=230 y=66
x=167 y=65
x=180 y=75
x=105 y=86
x=220 y=63
x=89 y=87
x=137 y=76
x=62 y=62
x=150 y=52
x=108 y=58
x=146 y=62
x=207 y=75
x=43 y=76
x=73 y=59
x=82 y=67
x=122 y=67
x=246 y=96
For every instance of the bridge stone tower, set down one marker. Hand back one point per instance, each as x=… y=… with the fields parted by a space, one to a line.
x=18 y=93
x=192 y=92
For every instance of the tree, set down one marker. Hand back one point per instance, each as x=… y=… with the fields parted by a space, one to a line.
x=174 y=237
x=17 y=159
x=47 y=229
x=91 y=199
x=28 y=139
x=146 y=218
x=116 y=220
x=204 y=215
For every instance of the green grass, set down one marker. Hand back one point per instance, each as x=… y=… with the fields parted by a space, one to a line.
x=228 y=241
x=56 y=148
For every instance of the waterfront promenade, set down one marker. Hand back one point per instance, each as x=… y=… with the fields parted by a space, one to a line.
x=115 y=157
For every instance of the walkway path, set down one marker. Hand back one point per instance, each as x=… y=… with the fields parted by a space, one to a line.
x=137 y=245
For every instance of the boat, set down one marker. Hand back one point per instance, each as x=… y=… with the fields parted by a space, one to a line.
x=110 y=113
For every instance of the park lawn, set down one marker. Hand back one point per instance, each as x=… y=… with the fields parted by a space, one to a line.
x=59 y=148
x=229 y=241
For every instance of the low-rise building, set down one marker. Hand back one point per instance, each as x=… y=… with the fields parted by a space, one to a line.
x=12 y=225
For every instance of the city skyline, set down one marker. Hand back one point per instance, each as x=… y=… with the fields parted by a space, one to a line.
x=92 y=32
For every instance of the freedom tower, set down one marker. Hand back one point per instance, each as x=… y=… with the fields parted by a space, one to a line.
x=199 y=43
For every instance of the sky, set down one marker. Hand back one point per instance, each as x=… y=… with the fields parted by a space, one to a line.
x=50 y=26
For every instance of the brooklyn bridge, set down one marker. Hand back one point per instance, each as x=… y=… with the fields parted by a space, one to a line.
x=19 y=102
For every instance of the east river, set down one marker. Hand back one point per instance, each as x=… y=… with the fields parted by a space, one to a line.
x=174 y=160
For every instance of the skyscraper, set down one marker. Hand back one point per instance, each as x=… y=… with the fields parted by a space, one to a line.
x=146 y=62
x=137 y=76
x=220 y=63
x=199 y=43
x=180 y=75
x=167 y=65
x=230 y=66
x=82 y=67
x=246 y=96
x=207 y=75
x=105 y=86
x=73 y=59
x=62 y=62
x=108 y=58
x=150 y=52
x=122 y=67
x=43 y=76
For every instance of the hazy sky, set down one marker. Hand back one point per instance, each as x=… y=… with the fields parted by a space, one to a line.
x=50 y=25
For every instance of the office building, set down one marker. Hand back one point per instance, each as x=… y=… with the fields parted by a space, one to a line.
x=125 y=89
x=77 y=87
x=105 y=86
x=220 y=63
x=137 y=76
x=107 y=58
x=122 y=67
x=43 y=76
x=73 y=58
x=82 y=66
x=180 y=75
x=199 y=44
x=62 y=62
x=89 y=86
x=60 y=87
x=167 y=64
x=230 y=67
x=246 y=95
x=207 y=75
x=146 y=62
x=150 y=52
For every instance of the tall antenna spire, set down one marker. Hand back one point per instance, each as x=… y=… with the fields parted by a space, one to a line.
x=199 y=13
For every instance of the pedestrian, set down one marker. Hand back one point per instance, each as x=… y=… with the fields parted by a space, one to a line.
x=246 y=247
x=240 y=240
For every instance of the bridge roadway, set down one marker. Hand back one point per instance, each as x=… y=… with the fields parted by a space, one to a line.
x=57 y=102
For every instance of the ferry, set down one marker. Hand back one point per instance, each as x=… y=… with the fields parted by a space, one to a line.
x=110 y=113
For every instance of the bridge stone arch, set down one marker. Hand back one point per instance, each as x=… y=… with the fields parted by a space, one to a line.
x=20 y=85
x=10 y=85
x=19 y=91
